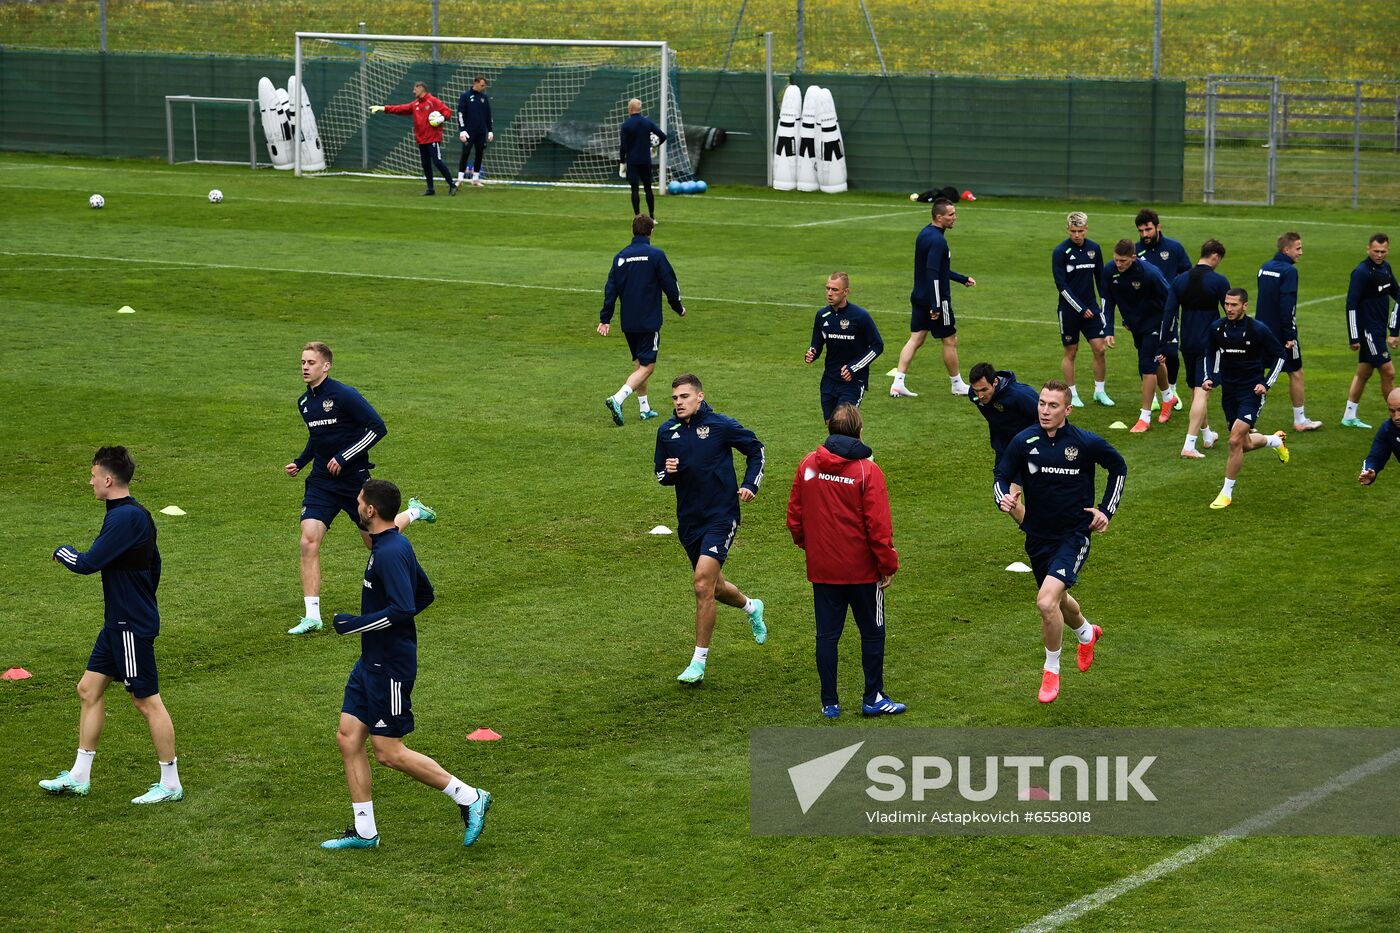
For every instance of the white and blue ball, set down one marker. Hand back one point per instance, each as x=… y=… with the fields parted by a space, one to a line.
x=215 y=196
x=96 y=201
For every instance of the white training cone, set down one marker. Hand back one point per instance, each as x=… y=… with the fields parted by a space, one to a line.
x=1018 y=567
x=126 y=309
x=659 y=530
x=172 y=510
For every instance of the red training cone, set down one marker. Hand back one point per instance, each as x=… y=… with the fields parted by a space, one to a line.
x=484 y=735
x=969 y=196
x=16 y=673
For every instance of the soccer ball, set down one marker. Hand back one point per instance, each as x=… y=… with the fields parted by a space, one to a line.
x=215 y=196
x=436 y=118
x=96 y=201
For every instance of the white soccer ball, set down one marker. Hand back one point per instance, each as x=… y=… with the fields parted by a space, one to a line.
x=215 y=196
x=436 y=118
x=96 y=201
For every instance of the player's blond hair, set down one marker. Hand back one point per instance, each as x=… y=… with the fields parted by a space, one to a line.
x=845 y=279
x=1077 y=219
x=318 y=348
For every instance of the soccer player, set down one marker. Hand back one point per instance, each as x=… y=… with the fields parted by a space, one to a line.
x=1372 y=325
x=1056 y=461
x=1386 y=444
x=1140 y=292
x=634 y=153
x=1245 y=360
x=1170 y=259
x=694 y=453
x=341 y=427
x=1077 y=267
x=126 y=555
x=1009 y=407
x=1278 y=311
x=429 y=137
x=474 y=129
x=639 y=275
x=852 y=343
x=378 y=701
x=1198 y=296
x=839 y=514
x=930 y=301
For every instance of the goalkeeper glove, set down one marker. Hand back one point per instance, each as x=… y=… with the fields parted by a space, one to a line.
x=376 y=109
x=622 y=170
x=490 y=137
x=463 y=136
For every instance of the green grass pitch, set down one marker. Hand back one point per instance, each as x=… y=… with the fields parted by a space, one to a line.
x=621 y=798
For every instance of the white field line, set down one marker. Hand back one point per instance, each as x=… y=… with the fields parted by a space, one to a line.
x=842 y=220
x=1205 y=847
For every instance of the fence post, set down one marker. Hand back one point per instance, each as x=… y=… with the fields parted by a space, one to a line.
x=102 y=26
x=436 y=57
x=1283 y=134
x=1356 y=151
x=1157 y=42
x=768 y=86
x=801 y=28
x=364 y=100
x=1397 y=122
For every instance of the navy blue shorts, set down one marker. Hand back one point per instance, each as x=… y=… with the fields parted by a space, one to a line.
x=121 y=654
x=379 y=701
x=324 y=503
x=1146 y=359
x=639 y=174
x=714 y=541
x=837 y=392
x=922 y=319
x=643 y=345
x=1241 y=405
x=1292 y=357
x=1196 y=366
x=1373 y=350
x=1073 y=323
x=1061 y=558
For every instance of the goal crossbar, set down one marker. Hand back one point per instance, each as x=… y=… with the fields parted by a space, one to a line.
x=663 y=47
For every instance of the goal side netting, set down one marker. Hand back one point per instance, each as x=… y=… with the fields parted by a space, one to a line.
x=556 y=106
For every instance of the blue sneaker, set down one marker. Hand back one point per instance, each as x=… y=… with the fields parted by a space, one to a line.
x=474 y=815
x=760 y=631
x=425 y=514
x=611 y=404
x=351 y=840
x=306 y=626
x=883 y=706
x=159 y=793
x=650 y=414
x=832 y=711
x=64 y=784
x=693 y=674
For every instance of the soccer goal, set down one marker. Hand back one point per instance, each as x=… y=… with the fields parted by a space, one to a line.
x=556 y=104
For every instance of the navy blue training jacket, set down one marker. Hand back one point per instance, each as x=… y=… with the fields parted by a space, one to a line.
x=634 y=138
x=341 y=424
x=1057 y=474
x=474 y=113
x=1198 y=304
x=1014 y=406
x=640 y=275
x=394 y=591
x=851 y=339
x=1243 y=354
x=706 y=490
x=1276 y=304
x=1371 y=297
x=1141 y=293
x=1385 y=446
x=1166 y=255
x=1077 y=270
x=125 y=553
x=932 y=272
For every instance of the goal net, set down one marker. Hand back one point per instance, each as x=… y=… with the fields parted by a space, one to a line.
x=556 y=105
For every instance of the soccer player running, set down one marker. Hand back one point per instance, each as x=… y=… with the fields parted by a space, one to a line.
x=341 y=428
x=378 y=703
x=1278 y=311
x=473 y=129
x=427 y=134
x=1009 y=407
x=839 y=514
x=694 y=453
x=1056 y=461
x=930 y=302
x=126 y=555
x=1170 y=258
x=1077 y=267
x=640 y=274
x=1245 y=360
x=1140 y=292
x=1372 y=325
x=1198 y=296
x=852 y=343
x=1386 y=444
x=634 y=153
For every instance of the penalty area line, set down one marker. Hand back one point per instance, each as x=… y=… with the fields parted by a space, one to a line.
x=1192 y=853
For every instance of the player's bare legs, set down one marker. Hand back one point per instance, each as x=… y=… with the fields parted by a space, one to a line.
x=92 y=690
x=950 y=354
x=313 y=532
x=158 y=720
x=637 y=382
x=1067 y=363
x=392 y=753
x=710 y=587
x=906 y=356
x=351 y=738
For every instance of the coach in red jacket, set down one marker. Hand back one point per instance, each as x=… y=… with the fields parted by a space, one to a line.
x=429 y=137
x=839 y=513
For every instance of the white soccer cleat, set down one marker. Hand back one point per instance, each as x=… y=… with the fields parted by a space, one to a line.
x=899 y=391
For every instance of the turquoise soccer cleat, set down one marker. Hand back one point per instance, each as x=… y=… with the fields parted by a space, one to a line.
x=159 y=793
x=1355 y=423
x=351 y=840
x=649 y=414
x=693 y=674
x=474 y=815
x=760 y=631
x=306 y=626
x=425 y=514
x=1103 y=399
x=64 y=784
x=612 y=406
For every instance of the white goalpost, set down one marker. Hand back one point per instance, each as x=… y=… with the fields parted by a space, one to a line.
x=556 y=103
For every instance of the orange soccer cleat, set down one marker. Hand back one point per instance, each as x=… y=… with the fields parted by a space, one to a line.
x=1049 y=687
x=1139 y=428
x=1086 y=652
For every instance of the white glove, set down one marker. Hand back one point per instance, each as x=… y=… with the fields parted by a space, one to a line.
x=490 y=137
x=376 y=109
x=463 y=136
x=622 y=170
